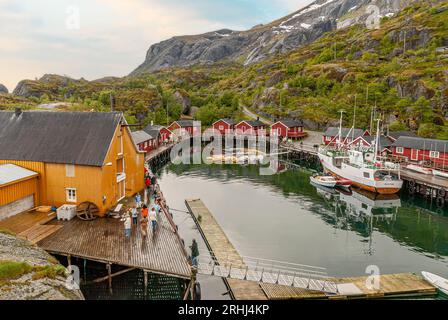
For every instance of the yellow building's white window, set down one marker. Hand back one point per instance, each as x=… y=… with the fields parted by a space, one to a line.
x=70 y=194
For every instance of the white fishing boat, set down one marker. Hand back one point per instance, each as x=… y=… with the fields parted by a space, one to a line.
x=437 y=281
x=325 y=181
x=419 y=169
x=439 y=173
x=364 y=168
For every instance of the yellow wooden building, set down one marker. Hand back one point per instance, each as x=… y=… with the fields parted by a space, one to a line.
x=76 y=157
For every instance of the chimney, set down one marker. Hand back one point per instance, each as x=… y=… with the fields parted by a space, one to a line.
x=18 y=112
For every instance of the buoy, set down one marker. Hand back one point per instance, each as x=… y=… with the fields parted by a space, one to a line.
x=441 y=193
x=440 y=202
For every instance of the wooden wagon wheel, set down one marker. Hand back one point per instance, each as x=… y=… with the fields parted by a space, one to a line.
x=87 y=211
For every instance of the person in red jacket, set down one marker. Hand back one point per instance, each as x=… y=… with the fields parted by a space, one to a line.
x=148 y=184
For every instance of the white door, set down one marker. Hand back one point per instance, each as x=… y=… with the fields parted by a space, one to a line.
x=16 y=207
x=414 y=154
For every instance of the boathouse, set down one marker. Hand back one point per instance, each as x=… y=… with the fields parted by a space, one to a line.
x=160 y=133
x=253 y=127
x=223 y=126
x=394 y=135
x=77 y=156
x=348 y=135
x=144 y=141
x=420 y=149
x=288 y=128
x=185 y=127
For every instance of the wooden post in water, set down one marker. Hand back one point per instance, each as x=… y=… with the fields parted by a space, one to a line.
x=69 y=260
x=109 y=274
x=193 y=283
x=145 y=281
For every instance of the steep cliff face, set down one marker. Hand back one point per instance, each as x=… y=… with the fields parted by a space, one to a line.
x=3 y=89
x=262 y=41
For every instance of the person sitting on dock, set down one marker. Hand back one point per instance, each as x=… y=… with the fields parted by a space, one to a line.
x=144 y=227
x=134 y=215
x=153 y=219
x=127 y=226
x=194 y=253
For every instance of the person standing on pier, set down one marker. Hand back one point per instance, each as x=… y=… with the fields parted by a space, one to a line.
x=134 y=214
x=153 y=219
x=144 y=227
x=145 y=211
x=127 y=225
x=148 y=184
x=194 y=253
x=138 y=200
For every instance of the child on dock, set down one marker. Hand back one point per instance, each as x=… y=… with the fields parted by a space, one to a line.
x=138 y=200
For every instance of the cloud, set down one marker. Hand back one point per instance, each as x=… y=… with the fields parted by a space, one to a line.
x=114 y=35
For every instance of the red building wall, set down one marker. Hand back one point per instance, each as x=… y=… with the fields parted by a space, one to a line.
x=285 y=131
x=147 y=146
x=223 y=125
x=420 y=155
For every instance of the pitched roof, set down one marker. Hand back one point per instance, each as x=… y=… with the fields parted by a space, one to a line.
x=385 y=142
x=254 y=123
x=422 y=144
x=140 y=136
x=290 y=123
x=153 y=130
x=10 y=173
x=397 y=134
x=227 y=120
x=81 y=138
x=185 y=123
x=334 y=131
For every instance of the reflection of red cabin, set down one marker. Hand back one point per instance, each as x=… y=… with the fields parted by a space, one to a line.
x=348 y=135
x=419 y=149
x=160 y=133
x=255 y=127
x=288 y=129
x=224 y=125
x=144 y=141
x=185 y=126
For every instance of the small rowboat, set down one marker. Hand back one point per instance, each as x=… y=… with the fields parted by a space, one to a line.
x=439 y=173
x=419 y=169
x=345 y=183
x=325 y=181
x=438 y=282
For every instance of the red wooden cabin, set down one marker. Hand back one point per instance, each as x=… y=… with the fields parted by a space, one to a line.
x=292 y=129
x=223 y=126
x=144 y=141
x=185 y=127
x=160 y=133
x=348 y=135
x=419 y=149
x=255 y=127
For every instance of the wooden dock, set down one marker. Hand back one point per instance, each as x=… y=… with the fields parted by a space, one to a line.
x=218 y=243
x=103 y=240
x=393 y=285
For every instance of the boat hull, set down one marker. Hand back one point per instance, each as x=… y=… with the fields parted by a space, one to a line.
x=380 y=187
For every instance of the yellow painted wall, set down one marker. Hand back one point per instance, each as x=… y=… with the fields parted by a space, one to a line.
x=19 y=190
x=91 y=183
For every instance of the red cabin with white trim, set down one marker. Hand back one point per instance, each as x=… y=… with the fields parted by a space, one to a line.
x=223 y=126
x=292 y=129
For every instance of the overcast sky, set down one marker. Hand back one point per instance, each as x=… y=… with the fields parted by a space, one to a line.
x=97 y=38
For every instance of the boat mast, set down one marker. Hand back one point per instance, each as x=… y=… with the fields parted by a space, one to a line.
x=340 y=129
x=354 y=120
x=377 y=141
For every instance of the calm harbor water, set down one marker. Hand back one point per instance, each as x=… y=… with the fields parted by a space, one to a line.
x=283 y=217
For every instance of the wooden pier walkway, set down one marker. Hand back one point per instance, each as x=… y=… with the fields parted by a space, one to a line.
x=103 y=240
x=393 y=285
x=218 y=243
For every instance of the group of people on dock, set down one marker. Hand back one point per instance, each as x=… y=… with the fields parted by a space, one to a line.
x=142 y=212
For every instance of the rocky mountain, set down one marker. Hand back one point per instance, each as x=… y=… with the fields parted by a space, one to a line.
x=293 y=31
x=3 y=89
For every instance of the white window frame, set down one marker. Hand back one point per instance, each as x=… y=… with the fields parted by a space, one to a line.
x=399 y=150
x=71 y=197
x=434 y=154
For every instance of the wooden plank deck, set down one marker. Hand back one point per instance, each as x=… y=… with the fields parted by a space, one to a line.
x=223 y=250
x=103 y=240
x=425 y=179
x=391 y=285
x=158 y=151
x=25 y=220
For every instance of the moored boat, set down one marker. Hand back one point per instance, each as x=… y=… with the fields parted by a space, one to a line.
x=439 y=173
x=325 y=181
x=437 y=281
x=419 y=169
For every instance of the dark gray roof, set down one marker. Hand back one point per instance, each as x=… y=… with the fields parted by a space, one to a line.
x=227 y=120
x=255 y=123
x=140 y=136
x=422 y=144
x=57 y=137
x=153 y=130
x=185 y=123
x=334 y=131
x=397 y=134
x=290 y=123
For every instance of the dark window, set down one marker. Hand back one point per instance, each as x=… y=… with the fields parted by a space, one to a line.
x=366 y=175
